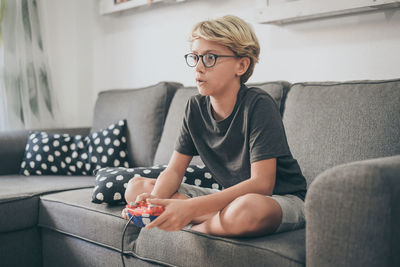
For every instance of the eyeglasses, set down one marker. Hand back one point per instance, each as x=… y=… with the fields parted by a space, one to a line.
x=208 y=59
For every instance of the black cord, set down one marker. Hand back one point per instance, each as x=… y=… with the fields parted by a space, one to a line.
x=122 y=241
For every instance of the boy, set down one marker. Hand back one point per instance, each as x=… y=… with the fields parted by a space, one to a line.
x=239 y=135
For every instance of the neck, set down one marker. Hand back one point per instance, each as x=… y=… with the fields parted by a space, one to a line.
x=224 y=103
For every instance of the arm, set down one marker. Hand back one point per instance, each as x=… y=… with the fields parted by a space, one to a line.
x=170 y=179
x=179 y=213
x=262 y=181
x=353 y=215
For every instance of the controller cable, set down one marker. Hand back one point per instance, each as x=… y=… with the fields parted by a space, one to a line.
x=122 y=240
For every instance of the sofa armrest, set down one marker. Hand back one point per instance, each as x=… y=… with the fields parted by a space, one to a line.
x=353 y=215
x=12 y=146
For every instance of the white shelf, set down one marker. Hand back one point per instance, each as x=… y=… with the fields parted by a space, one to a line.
x=108 y=6
x=302 y=10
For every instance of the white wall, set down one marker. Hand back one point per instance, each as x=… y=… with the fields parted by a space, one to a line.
x=89 y=53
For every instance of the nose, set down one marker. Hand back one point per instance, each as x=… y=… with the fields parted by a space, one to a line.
x=200 y=66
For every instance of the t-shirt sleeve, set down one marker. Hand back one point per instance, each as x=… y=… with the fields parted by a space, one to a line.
x=267 y=133
x=184 y=143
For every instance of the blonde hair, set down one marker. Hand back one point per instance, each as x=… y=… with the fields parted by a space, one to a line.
x=234 y=33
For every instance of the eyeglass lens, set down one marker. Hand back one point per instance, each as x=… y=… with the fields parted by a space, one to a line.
x=208 y=59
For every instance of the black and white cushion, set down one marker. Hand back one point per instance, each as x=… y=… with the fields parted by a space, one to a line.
x=64 y=154
x=111 y=183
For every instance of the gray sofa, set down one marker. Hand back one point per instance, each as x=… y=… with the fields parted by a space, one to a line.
x=345 y=135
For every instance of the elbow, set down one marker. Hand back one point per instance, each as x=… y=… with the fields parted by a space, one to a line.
x=264 y=187
x=268 y=191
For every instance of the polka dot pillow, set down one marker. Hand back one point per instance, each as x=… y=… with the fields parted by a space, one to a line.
x=64 y=154
x=111 y=183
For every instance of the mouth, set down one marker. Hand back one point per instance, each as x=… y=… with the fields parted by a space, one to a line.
x=200 y=81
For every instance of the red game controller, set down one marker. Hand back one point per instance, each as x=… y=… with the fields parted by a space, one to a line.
x=143 y=213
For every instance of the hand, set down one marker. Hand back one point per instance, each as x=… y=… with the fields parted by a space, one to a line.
x=177 y=214
x=144 y=197
x=139 y=198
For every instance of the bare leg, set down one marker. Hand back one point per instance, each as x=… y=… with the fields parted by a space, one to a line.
x=248 y=215
x=201 y=219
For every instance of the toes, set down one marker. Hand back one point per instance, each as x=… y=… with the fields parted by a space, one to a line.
x=124 y=214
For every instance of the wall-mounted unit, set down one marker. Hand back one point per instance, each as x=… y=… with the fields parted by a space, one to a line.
x=302 y=10
x=111 y=6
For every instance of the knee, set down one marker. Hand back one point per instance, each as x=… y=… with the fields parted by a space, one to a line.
x=136 y=186
x=139 y=183
x=136 y=180
x=241 y=211
x=248 y=213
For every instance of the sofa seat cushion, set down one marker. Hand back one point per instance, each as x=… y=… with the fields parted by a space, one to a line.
x=332 y=123
x=145 y=110
x=173 y=122
x=19 y=197
x=73 y=213
x=21 y=213
x=190 y=248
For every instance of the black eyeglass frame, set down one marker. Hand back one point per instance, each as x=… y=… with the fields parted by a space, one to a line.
x=202 y=59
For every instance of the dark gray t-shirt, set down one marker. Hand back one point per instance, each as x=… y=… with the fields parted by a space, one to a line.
x=252 y=132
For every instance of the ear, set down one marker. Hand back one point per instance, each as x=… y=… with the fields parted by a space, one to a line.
x=243 y=65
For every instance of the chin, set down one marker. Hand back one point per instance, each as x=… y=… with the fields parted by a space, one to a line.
x=203 y=90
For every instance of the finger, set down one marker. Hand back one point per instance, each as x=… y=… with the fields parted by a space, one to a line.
x=157 y=201
x=158 y=221
x=172 y=224
x=168 y=226
x=124 y=214
x=142 y=197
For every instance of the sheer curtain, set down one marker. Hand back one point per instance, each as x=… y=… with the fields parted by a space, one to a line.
x=26 y=96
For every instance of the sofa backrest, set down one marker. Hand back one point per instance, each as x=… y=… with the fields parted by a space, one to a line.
x=173 y=125
x=145 y=110
x=333 y=123
x=174 y=119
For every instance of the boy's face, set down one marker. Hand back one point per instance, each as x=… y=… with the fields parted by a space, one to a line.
x=215 y=80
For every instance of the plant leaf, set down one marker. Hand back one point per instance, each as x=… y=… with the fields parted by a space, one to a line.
x=26 y=18
x=32 y=89
x=44 y=86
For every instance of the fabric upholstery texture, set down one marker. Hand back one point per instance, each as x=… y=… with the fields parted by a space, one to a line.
x=98 y=223
x=63 y=250
x=352 y=210
x=64 y=154
x=15 y=187
x=111 y=183
x=333 y=123
x=102 y=225
x=21 y=213
x=145 y=110
x=13 y=144
x=19 y=197
x=278 y=90
x=21 y=248
x=172 y=126
x=353 y=215
x=197 y=249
